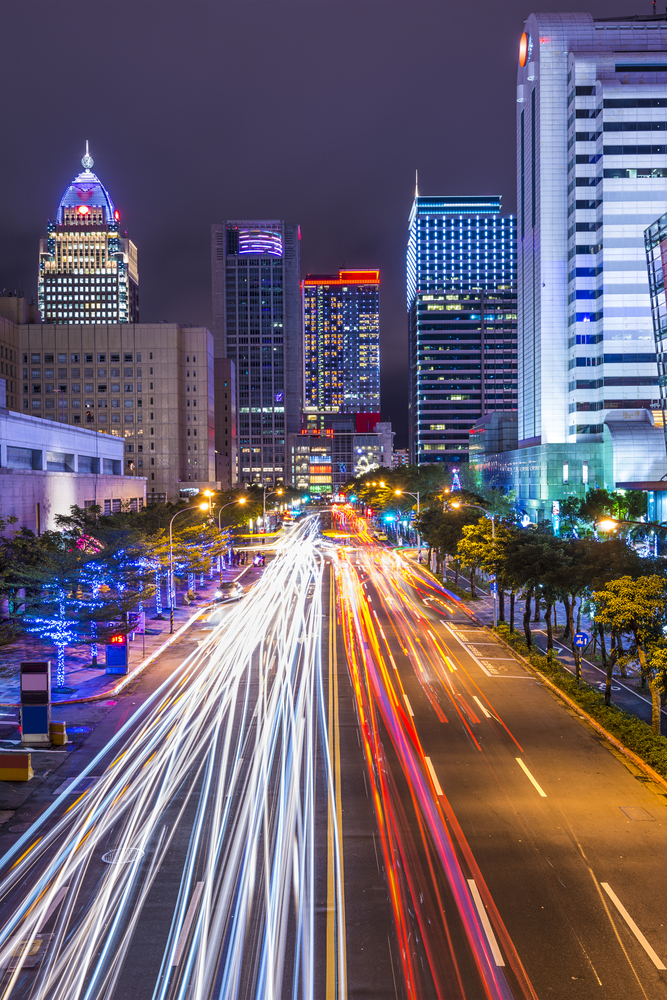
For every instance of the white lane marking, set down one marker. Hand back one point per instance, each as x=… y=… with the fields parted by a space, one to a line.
x=468 y=650
x=632 y=925
x=60 y=895
x=189 y=917
x=409 y=706
x=486 y=923
x=434 y=776
x=487 y=714
x=530 y=777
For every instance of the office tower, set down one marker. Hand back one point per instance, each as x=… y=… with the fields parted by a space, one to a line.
x=461 y=282
x=591 y=176
x=87 y=266
x=342 y=343
x=258 y=324
x=151 y=384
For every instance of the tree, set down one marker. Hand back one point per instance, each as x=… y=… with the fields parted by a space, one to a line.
x=639 y=607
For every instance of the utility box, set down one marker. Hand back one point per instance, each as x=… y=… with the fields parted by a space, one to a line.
x=36 y=702
x=117 y=655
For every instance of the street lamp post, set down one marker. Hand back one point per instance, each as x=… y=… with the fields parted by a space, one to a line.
x=486 y=513
x=264 y=496
x=419 y=540
x=202 y=506
x=240 y=500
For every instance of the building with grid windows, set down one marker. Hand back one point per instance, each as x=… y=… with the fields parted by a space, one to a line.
x=342 y=344
x=149 y=384
x=462 y=321
x=258 y=324
x=591 y=177
x=88 y=269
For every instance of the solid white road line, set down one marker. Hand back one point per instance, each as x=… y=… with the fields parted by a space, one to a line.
x=487 y=714
x=530 y=777
x=187 y=923
x=434 y=776
x=632 y=925
x=409 y=706
x=486 y=923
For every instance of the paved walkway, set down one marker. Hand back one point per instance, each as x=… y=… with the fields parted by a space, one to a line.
x=81 y=679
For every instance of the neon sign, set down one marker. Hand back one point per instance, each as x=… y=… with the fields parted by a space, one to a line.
x=260 y=242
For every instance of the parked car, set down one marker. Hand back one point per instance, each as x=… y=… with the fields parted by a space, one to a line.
x=231 y=590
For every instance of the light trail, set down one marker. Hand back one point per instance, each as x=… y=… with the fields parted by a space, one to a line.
x=444 y=942
x=221 y=759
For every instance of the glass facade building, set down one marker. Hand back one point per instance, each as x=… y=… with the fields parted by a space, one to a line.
x=591 y=164
x=258 y=324
x=462 y=321
x=88 y=270
x=342 y=343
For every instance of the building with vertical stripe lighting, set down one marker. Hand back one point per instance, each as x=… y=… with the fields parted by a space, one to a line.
x=461 y=283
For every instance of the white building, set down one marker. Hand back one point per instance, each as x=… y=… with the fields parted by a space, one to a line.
x=591 y=176
x=46 y=468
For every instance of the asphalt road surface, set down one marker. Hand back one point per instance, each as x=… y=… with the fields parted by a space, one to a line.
x=345 y=789
x=524 y=859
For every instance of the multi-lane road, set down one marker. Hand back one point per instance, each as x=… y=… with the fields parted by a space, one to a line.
x=347 y=790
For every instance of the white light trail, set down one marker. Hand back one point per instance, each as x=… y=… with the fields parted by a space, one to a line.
x=226 y=750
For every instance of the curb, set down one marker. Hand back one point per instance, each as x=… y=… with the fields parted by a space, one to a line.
x=637 y=761
x=139 y=669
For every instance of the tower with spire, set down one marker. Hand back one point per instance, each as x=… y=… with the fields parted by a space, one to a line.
x=88 y=269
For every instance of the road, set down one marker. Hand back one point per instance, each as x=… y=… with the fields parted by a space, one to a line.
x=522 y=856
x=348 y=789
x=191 y=863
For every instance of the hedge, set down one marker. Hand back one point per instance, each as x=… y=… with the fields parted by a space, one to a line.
x=635 y=734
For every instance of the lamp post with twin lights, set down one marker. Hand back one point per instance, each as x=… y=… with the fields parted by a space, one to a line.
x=457 y=503
x=240 y=500
x=416 y=496
x=172 y=595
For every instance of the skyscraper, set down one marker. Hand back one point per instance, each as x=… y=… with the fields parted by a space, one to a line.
x=87 y=268
x=591 y=177
x=342 y=342
x=461 y=282
x=258 y=324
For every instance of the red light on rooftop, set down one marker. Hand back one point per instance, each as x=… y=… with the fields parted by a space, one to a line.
x=116 y=215
x=347 y=277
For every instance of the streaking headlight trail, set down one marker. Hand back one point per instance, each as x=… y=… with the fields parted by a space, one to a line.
x=213 y=785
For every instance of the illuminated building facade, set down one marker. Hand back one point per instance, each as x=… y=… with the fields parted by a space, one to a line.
x=591 y=118
x=258 y=324
x=342 y=343
x=462 y=321
x=88 y=269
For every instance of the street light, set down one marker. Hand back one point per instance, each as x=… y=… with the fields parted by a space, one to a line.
x=264 y=496
x=202 y=506
x=240 y=500
x=419 y=541
x=457 y=503
x=607 y=524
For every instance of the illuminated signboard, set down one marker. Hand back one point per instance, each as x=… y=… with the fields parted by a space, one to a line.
x=260 y=242
x=525 y=49
x=117 y=640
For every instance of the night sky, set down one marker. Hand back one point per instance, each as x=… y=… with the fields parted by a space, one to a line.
x=316 y=111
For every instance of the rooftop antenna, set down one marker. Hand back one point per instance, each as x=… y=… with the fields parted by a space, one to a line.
x=416 y=183
x=87 y=160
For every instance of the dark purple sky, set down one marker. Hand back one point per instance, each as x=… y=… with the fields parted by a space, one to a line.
x=315 y=111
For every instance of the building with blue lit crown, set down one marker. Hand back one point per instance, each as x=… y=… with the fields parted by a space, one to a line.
x=461 y=284
x=88 y=269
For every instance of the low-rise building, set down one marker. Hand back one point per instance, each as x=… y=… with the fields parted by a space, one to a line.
x=46 y=468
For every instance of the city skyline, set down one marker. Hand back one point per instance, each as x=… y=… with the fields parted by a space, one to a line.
x=351 y=197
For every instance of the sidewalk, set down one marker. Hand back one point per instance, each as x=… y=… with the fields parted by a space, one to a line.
x=82 y=680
